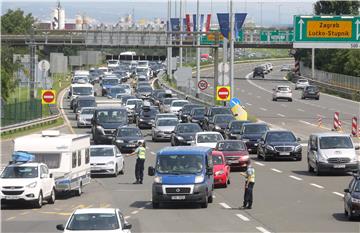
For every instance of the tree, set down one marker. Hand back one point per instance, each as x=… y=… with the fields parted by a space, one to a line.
x=15 y=22
x=336 y=7
x=8 y=83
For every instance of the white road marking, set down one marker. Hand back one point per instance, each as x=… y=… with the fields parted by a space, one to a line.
x=242 y=217
x=258 y=97
x=11 y=218
x=283 y=105
x=264 y=109
x=276 y=170
x=152 y=152
x=263 y=230
x=226 y=206
x=339 y=194
x=295 y=177
x=317 y=186
x=300 y=110
x=283 y=123
x=260 y=164
x=141 y=208
x=214 y=196
x=308 y=123
x=248 y=104
x=126 y=217
x=280 y=115
x=135 y=212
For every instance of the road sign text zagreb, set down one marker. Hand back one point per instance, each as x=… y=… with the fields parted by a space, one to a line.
x=329 y=29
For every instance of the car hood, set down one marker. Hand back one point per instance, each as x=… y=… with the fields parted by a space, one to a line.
x=101 y=159
x=234 y=153
x=111 y=125
x=175 y=108
x=187 y=136
x=339 y=153
x=207 y=144
x=178 y=179
x=284 y=144
x=127 y=139
x=254 y=136
x=107 y=86
x=86 y=116
x=219 y=167
x=16 y=182
x=166 y=128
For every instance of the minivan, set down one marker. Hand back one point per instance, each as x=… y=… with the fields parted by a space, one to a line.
x=183 y=175
x=331 y=152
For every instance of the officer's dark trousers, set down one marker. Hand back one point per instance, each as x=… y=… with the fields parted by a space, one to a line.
x=248 y=195
x=139 y=169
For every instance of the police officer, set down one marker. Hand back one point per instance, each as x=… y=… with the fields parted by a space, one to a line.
x=249 y=185
x=139 y=166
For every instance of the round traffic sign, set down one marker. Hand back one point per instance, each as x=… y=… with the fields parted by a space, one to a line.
x=202 y=84
x=48 y=96
x=223 y=93
x=44 y=65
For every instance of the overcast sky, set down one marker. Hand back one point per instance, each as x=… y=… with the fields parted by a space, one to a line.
x=109 y=12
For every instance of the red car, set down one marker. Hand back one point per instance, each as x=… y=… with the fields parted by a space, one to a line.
x=235 y=153
x=221 y=170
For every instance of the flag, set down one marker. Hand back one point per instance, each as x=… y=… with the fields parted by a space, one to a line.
x=194 y=23
x=201 y=23
x=223 y=19
x=208 y=22
x=239 y=21
x=188 y=27
x=175 y=24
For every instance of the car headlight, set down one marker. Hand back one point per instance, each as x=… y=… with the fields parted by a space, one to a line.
x=219 y=172
x=268 y=147
x=100 y=128
x=110 y=163
x=355 y=200
x=32 y=185
x=141 y=119
x=142 y=141
x=354 y=159
x=119 y=141
x=245 y=157
x=194 y=120
x=158 y=179
x=322 y=158
x=180 y=138
x=298 y=147
x=199 y=179
x=217 y=127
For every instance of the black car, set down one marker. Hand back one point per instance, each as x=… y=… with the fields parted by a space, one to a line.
x=184 y=134
x=146 y=117
x=186 y=110
x=197 y=115
x=105 y=122
x=83 y=101
x=211 y=112
x=310 y=92
x=127 y=138
x=220 y=122
x=162 y=96
x=144 y=92
x=279 y=144
x=352 y=198
x=251 y=133
x=259 y=71
x=154 y=94
x=234 y=128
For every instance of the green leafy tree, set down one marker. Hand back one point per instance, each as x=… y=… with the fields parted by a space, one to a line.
x=16 y=22
x=8 y=83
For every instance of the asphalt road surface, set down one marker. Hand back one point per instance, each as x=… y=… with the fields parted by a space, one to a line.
x=286 y=197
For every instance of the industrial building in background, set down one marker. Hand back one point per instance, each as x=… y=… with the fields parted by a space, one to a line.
x=58 y=18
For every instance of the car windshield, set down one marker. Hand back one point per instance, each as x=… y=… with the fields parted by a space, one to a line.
x=144 y=89
x=217 y=160
x=117 y=90
x=87 y=103
x=205 y=138
x=357 y=186
x=199 y=111
x=220 y=111
x=87 y=111
x=280 y=137
x=82 y=90
x=167 y=122
x=230 y=146
x=179 y=164
x=112 y=116
x=187 y=108
x=189 y=128
x=283 y=89
x=312 y=88
x=129 y=132
x=223 y=119
x=335 y=142
x=236 y=125
x=102 y=152
x=255 y=129
x=111 y=82
x=93 y=222
x=133 y=102
x=19 y=172
x=302 y=81
x=179 y=103
x=168 y=101
x=113 y=62
x=149 y=113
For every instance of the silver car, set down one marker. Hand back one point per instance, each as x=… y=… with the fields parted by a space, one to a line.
x=301 y=84
x=85 y=116
x=163 y=128
x=282 y=92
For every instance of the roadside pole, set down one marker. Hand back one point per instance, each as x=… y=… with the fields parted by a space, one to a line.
x=216 y=64
x=169 y=49
x=197 y=49
x=181 y=35
x=231 y=50
x=313 y=63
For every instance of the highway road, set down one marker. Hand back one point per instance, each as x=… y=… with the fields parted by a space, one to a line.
x=286 y=197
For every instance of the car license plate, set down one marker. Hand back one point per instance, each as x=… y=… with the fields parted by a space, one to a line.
x=131 y=145
x=96 y=168
x=232 y=161
x=178 y=198
x=284 y=153
x=339 y=166
x=255 y=144
x=11 y=197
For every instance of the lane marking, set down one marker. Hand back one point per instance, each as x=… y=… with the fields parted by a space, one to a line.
x=24 y=213
x=300 y=110
x=242 y=217
x=317 y=186
x=126 y=217
x=104 y=205
x=135 y=212
x=339 y=194
x=226 y=206
x=258 y=97
x=295 y=177
x=214 y=196
x=56 y=213
x=263 y=230
x=264 y=109
x=276 y=170
x=141 y=208
x=248 y=104
x=11 y=218
x=280 y=115
x=152 y=152
x=308 y=123
x=260 y=164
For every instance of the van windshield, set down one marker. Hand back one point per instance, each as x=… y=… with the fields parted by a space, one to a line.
x=179 y=164
x=82 y=90
x=335 y=143
x=19 y=172
x=112 y=116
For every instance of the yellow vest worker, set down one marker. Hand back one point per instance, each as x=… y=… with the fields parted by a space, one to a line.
x=249 y=186
x=140 y=161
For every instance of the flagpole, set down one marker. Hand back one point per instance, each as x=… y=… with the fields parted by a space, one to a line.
x=197 y=49
x=232 y=37
x=181 y=35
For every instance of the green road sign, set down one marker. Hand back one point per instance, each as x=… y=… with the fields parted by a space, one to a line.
x=276 y=36
x=327 y=31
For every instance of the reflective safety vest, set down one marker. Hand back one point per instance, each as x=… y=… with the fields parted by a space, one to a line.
x=250 y=172
x=141 y=152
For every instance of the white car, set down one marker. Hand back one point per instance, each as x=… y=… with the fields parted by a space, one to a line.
x=106 y=159
x=27 y=181
x=85 y=116
x=130 y=103
x=113 y=64
x=177 y=105
x=285 y=68
x=301 y=84
x=270 y=66
x=96 y=220
x=208 y=139
x=282 y=92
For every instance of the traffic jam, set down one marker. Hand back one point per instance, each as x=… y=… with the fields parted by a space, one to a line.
x=125 y=105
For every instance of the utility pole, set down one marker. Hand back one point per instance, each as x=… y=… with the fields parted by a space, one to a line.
x=32 y=48
x=197 y=49
x=169 y=49
x=181 y=35
x=232 y=38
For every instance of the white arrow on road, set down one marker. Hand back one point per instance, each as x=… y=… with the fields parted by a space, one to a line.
x=357 y=29
x=301 y=22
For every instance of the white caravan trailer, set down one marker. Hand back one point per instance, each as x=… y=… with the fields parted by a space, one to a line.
x=66 y=155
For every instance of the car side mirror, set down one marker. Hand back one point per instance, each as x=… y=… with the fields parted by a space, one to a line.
x=127 y=226
x=51 y=175
x=118 y=155
x=151 y=171
x=43 y=176
x=60 y=227
x=95 y=94
x=346 y=190
x=298 y=139
x=357 y=147
x=209 y=171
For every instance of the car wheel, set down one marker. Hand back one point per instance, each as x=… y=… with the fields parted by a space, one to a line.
x=258 y=155
x=299 y=158
x=122 y=172
x=296 y=88
x=116 y=171
x=210 y=198
x=205 y=203
x=228 y=181
x=275 y=99
x=266 y=158
x=153 y=138
x=155 y=205
x=39 y=202
x=317 y=98
x=78 y=192
x=290 y=100
x=52 y=197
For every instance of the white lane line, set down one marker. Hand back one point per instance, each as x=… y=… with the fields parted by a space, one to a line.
x=263 y=230
x=258 y=97
x=141 y=208
x=308 y=123
x=226 y=206
x=264 y=109
x=248 y=104
x=339 y=194
x=249 y=93
x=295 y=177
x=11 y=218
x=317 y=186
x=280 y=115
x=126 y=217
x=242 y=217
x=135 y=212
x=276 y=170
x=260 y=164
x=152 y=152
x=283 y=105
x=300 y=110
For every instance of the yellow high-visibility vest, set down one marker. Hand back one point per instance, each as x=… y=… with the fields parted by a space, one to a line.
x=141 y=152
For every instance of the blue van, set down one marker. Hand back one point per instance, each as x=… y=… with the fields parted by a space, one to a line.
x=183 y=174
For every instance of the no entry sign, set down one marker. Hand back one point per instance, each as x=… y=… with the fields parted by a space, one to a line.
x=223 y=93
x=202 y=85
x=48 y=97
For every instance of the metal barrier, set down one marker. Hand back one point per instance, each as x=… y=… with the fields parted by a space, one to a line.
x=16 y=112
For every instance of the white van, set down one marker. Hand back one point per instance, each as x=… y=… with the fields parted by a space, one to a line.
x=81 y=73
x=66 y=155
x=84 y=89
x=329 y=152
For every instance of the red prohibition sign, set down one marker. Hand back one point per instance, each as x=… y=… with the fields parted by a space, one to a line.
x=48 y=96
x=223 y=93
x=203 y=85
